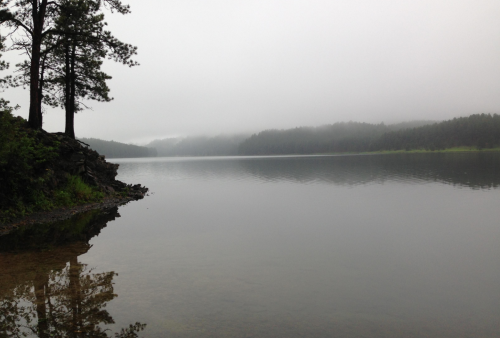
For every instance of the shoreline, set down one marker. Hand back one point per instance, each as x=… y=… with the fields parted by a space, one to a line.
x=377 y=152
x=418 y=151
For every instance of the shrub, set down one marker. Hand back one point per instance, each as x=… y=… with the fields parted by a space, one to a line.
x=79 y=191
x=27 y=184
x=22 y=159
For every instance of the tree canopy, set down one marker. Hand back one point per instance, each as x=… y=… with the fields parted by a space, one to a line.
x=66 y=44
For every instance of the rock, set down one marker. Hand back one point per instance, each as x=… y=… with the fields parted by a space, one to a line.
x=77 y=159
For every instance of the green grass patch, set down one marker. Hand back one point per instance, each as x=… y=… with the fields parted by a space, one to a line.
x=81 y=192
x=74 y=192
x=419 y=151
x=447 y=150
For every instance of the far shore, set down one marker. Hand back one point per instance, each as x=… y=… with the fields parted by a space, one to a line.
x=418 y=151
x=376 y=152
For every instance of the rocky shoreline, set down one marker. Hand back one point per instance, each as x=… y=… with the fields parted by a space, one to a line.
x=76 y=158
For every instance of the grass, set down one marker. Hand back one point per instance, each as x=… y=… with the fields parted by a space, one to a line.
x=420 y=151
x=447 y=150
x=74 y=192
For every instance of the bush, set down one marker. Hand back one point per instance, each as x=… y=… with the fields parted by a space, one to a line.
x=79 y=191
x=27 y=184
x=22 y=159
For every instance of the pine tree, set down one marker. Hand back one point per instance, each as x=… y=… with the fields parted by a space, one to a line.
x=80 y=56
x=37 y=18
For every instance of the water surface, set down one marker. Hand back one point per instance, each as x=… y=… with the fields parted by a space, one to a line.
x=320 y=246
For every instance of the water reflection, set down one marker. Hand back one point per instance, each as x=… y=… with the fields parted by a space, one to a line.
x=473 y=170
x=478 y=170
x=321 y=246
x=272 y=247
x=46 y=292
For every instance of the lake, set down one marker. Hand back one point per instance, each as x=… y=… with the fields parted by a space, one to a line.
x=403 y=245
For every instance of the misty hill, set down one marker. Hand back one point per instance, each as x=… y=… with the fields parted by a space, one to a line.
x=410 y=124
x=112 y=149
x=225 y=145
x=222 y=145
x=337 y=137
x=480 y=131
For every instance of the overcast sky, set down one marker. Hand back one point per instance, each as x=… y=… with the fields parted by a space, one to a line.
x=230 y=66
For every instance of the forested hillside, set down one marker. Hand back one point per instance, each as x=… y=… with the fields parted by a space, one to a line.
x=112 y=149
x=479 y=131
x=222 y=145
x=338 y=137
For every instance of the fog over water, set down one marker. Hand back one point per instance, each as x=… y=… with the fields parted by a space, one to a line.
x=222 y=66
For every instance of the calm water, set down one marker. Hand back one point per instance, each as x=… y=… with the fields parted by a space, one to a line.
x=337 y=246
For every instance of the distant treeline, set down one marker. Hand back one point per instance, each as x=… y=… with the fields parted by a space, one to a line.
x=337 y=137
x=294 y=141
x=112 y=149
x=480 y=131
x=222 y=145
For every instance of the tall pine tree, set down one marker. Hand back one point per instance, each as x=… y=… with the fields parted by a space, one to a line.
x=80 y=57
x=37 y=18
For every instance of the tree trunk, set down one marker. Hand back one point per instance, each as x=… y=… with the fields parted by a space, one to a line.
x=39 y=284
x=69 y=69
x=38 y=17
x=75 y=297
x=72 y=97
x=40 y=90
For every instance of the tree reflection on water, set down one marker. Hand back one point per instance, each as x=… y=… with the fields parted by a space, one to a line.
x=48 y=292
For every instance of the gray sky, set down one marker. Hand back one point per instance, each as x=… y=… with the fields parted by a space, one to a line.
x=229 y=66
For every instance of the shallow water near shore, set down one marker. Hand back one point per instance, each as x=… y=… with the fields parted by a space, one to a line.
x=402 y=245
